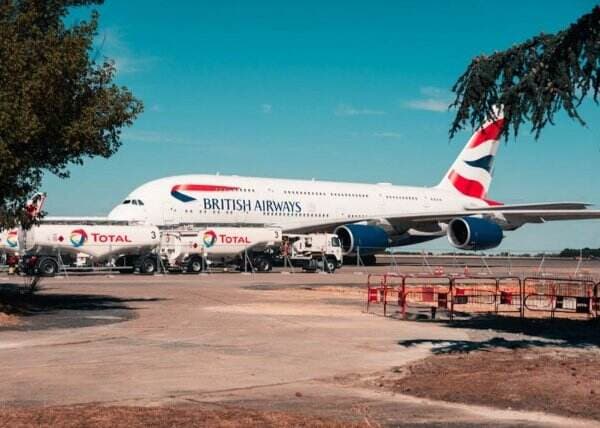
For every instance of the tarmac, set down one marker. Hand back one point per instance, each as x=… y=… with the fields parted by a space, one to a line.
x=298 y=342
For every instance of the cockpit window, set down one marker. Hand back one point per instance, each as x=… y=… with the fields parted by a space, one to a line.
x=133 y=202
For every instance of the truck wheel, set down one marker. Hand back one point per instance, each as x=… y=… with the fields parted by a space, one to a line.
x=147 y=267
x=263 y=264
x=330 y=265
x=48 y=267
x=194 y=265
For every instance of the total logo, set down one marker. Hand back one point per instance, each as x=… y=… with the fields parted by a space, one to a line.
x=12 y=239
x=210 y=238
x=78 y=237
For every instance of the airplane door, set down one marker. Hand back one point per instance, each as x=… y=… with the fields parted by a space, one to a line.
x=169 y=215
x=426 y=202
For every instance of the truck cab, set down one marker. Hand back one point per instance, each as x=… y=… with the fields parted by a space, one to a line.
x=314 y=251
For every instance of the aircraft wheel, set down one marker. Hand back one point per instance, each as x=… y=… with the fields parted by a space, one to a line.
x=369 y=260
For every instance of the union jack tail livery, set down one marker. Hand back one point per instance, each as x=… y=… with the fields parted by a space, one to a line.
x=471 y=172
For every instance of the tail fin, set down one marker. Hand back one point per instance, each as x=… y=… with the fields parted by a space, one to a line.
x=471 y=172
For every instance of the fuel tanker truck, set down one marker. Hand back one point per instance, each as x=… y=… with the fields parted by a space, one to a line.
x=48 y=247
x=9 y=241
x=9 y=248
x=190 y=250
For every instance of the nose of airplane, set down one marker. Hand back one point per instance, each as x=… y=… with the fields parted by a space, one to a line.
x=128 y=213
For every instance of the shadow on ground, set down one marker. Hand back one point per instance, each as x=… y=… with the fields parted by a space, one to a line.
x=441 y=347
x=43 y=310
x=536 y=332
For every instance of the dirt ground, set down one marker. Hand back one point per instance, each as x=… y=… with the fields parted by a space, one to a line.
x=557 y=380
x=7 y=320
x=277 y=350
x=175 y=416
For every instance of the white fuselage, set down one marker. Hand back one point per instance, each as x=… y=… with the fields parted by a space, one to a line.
x=289 y=204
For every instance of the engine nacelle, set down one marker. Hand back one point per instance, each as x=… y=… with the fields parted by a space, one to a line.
x=472 y=233
x=368 y=239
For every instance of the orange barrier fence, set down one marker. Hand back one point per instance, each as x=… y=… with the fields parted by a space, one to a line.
x=482 y=294
x=559 y=295
x=425 y=291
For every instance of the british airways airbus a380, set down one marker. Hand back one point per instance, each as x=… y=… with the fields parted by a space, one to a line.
x=370 y=217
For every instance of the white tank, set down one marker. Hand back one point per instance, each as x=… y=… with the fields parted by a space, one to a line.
x=97 y=241
x=217 y=241
x=9 y=241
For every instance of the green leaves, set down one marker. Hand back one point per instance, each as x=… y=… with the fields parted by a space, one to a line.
x=57 y=105
x=533 y=80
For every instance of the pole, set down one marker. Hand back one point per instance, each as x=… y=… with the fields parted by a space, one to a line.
x=482 y=255
x=578 y=262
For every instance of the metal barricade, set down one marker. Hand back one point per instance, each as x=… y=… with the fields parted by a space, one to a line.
x=420 y=292
x=482 y=294
x=559 y=295
x=509 y=295
x=375 y=289
x=383 y=289
x=393 y=291
x=473 y=294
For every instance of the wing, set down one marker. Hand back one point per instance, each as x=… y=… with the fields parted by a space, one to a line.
x=537 y=206
x=509 y=217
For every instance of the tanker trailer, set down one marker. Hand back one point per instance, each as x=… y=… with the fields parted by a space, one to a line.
x=184 y=250
x=127 y=247
x=9 y=241
x=9 y=248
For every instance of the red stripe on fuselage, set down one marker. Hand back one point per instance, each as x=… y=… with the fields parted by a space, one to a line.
x=202 y=188
x=465 y=186
x=490 y=132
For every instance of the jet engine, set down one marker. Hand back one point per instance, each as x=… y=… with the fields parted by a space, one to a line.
x=368 y=239
x=472 y=233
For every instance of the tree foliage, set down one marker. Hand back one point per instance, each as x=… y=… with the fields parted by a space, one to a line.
x=58 y=105
x=533 y=80
x=584 y=252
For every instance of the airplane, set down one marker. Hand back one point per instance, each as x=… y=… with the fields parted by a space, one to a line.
x=368 y=218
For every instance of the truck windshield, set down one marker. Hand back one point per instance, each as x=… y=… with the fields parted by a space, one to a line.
x=335 y=241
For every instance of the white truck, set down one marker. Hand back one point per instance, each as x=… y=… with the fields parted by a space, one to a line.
x=190 y=250
x=312 y=252
x=249 y=248
x=46 y=247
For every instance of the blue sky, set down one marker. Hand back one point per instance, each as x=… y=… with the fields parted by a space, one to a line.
x=352 y=91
